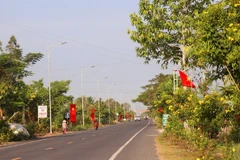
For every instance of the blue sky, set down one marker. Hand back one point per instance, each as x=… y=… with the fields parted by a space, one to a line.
x=95 y=32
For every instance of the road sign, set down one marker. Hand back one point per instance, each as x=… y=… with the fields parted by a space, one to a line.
x=42 y=111
x=165 y=119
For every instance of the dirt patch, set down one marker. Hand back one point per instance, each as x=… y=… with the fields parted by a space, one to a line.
x=169 y=151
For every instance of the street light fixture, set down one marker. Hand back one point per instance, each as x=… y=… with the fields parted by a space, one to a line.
x=49 y=83
x=82 y=71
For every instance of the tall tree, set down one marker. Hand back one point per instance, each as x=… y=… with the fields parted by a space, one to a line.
x=217 y=41
x=13 y=68
x=164 y=29
x=151 y=92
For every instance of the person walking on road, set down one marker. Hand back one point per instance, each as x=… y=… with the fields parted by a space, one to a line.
x=64 y=126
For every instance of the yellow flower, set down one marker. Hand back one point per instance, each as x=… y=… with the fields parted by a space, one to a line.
x=230 y=25
x=230 y=38
x=168 y=101
x=160 y=35
x=186 y=48
x=198 y=159
x=236 y=5
x=227 y=110
x=170 y=107
x=181 y=106
x=189 y=98
x=205 y=12
x=200 y=102
x=234 y=29
x=222 y=99
x=233 y=149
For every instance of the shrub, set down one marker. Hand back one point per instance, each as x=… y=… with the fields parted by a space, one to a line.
x=20 y=137
x=32 y=129
x=5 y=132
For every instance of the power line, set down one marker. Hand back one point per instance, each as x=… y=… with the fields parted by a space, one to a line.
x=67 y=69
x=41 y=33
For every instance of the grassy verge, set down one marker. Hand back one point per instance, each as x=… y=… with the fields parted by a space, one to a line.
x=167 y=150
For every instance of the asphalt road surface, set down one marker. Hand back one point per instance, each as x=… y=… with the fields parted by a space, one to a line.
x=125 y=141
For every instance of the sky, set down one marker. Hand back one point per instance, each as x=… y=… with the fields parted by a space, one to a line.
x=97 y=45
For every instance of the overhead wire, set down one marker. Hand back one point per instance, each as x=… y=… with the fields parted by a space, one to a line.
x=49 y=35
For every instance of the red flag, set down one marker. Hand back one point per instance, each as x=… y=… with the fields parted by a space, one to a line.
x=161 y=110
x=186 y=80
x=73 y=113
x=120 y=117
x=92 y=115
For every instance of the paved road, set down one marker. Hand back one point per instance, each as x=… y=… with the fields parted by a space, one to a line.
x=125 y=141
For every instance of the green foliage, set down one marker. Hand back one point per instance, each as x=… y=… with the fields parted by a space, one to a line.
x=205 y=37
x=13 y=69
x=162 y=28
x=43 y=126
x=32 y=129
x=20 y=137
x=231 y=152
x=216 y=46
x=5 y=132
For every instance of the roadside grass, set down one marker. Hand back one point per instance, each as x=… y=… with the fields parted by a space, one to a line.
x=170 y=150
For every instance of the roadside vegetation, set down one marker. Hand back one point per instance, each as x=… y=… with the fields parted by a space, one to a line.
x=201 y=38
x=19 y=100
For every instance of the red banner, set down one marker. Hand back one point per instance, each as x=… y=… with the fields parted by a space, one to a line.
x=92 y=115
x=120 y=117
x=126 y=115
x=73 y=113
x=186 y=80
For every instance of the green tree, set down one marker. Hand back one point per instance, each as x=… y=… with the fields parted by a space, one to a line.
x=217 y=41
x=13 y=68
x=151 y=93
x=164 y=29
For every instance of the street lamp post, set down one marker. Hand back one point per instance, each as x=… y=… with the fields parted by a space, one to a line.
x=82 y=95
x=108 y=108
x=116 y=107
x=99 y=116
x=49 y=83
x=109 y=103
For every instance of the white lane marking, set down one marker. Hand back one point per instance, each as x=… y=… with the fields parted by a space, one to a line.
x=121 y=148
x=47 y=149
x=69 y=143
x=18 y=158
x=22 y=144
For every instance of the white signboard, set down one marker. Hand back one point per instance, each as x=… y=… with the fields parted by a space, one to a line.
x=42 y=111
